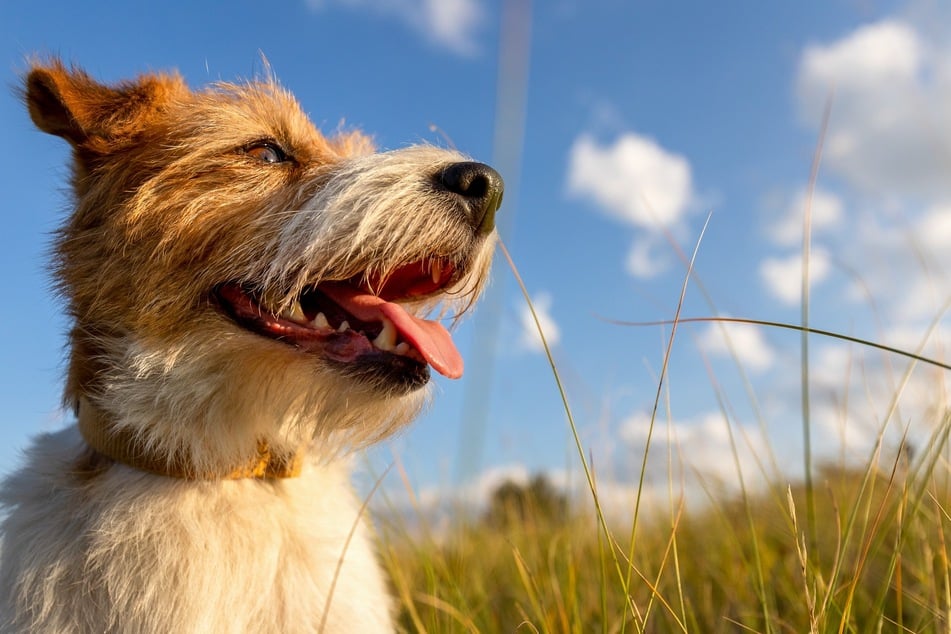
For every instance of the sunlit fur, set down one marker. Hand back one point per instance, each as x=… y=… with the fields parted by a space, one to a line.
x=168 y=204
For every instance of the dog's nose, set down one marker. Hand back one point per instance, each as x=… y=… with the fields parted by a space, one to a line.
x=480 y=187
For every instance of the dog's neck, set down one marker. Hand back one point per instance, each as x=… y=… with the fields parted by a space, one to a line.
x=122 y=445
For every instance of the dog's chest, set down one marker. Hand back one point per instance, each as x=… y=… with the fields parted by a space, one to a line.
x=133 y=552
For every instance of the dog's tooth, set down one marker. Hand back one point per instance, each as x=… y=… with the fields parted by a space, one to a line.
x=436 y=271
x=401 y=348
x=320 y=321
x=295 y=313
x=343 y=326
x=386 y=340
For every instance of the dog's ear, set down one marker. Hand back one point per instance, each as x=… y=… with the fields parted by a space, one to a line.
x=69 y=103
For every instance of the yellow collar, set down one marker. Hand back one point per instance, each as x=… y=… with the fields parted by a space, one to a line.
x=123 y=446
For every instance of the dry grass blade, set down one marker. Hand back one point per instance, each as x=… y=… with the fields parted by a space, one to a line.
x=787 y=326
x=449 y=609
x=361 y=515
x=657 y=398
x=589 y=476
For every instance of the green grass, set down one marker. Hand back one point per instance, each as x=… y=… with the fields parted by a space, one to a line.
x=854 y=548
x=880 y=564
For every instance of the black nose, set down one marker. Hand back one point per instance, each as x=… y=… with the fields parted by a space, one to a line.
x=480 y=188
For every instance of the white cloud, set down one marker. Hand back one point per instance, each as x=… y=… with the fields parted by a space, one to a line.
x=440 y=505
x=454 y=22
x=827 y=212
x=899 y=260
x=888 y=144
x=637 y=182
x=530 y=339
x=644 y=260
x=889 y=132
x=934 y=228
x=783 y=276
x=872 y=54
x=920 y=298
x=745 y=341
x=480 y=489
x=884 y=401
x=701 y=444
x=451 y=24
x=634 y=179
x=438 y=508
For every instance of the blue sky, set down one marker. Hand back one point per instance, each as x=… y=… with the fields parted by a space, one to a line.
x=640 y=118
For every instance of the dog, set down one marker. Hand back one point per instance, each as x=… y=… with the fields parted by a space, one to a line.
x=250 y=301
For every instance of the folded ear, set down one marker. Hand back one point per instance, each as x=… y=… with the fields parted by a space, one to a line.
x=69 y=103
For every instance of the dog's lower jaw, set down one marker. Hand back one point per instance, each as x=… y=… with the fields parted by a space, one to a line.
x=212 y=395
x=89 y=544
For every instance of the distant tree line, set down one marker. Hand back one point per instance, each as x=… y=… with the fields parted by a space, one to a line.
x=514 y=504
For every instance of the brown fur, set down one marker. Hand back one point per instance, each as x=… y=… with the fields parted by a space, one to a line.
x=141 y=157
x=172 y=200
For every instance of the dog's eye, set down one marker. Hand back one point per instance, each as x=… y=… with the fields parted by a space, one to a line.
x=266 y=151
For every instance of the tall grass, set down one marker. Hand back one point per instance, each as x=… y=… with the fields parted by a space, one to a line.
x=854 y=548
x=879 y=562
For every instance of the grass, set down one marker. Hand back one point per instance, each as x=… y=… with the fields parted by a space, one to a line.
x=875 y=560
x=855 y=548
x=880 y=564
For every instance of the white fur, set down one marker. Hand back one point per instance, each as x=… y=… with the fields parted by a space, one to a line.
x=134 y=552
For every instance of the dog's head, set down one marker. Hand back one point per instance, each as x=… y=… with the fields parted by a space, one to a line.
x=225 y=261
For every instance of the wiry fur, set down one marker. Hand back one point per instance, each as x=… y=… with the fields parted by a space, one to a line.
x=168 y=205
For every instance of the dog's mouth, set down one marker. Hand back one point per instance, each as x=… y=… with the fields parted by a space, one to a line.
x=360 y=324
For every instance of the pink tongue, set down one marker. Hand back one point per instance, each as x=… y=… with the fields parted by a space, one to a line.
x=430 y=338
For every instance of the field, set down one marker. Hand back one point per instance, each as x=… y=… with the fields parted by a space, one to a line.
x=875 y=561
x=851 y=548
